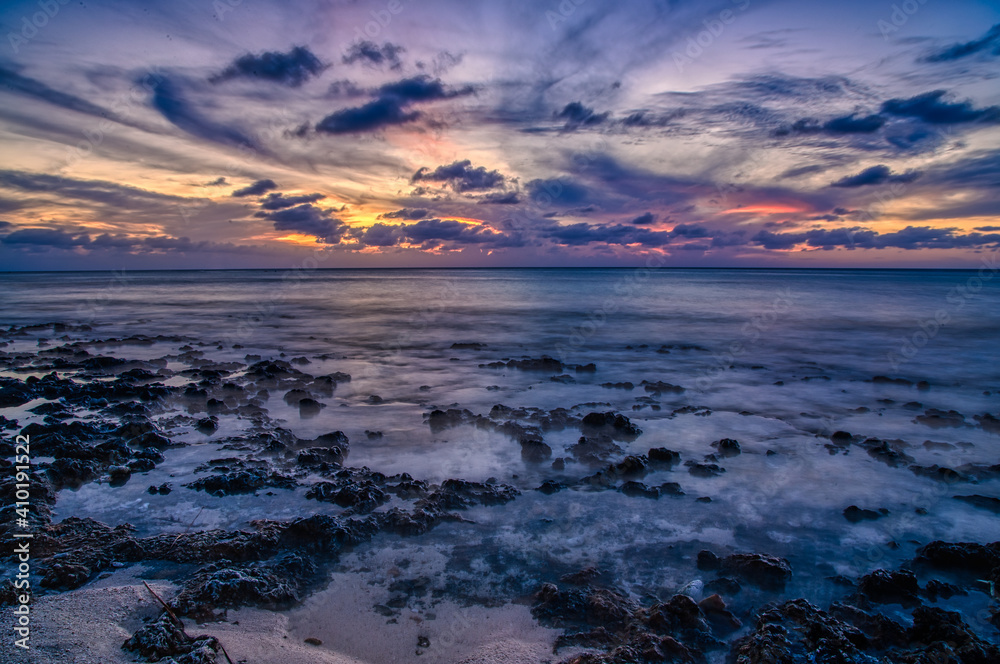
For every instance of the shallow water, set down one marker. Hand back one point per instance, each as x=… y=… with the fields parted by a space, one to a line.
x=778 y=360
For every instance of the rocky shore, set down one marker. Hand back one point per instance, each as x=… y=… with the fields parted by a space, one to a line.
x=97 y=418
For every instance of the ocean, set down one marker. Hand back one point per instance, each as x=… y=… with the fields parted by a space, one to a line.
x=777 y=360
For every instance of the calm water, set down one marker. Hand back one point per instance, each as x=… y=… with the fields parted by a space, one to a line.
x=777 y=359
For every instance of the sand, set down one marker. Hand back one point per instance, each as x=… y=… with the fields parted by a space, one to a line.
x=88 y=626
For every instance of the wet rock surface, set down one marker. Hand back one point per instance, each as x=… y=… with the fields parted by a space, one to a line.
x=110 y=421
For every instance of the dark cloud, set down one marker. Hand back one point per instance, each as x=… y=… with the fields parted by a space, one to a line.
x=880 y=174
x=390 y=107
x=932 y=109
x=462 y=176
x=576 y=115
x=691 y=231
x=372 y=116
x=278 y=201
x=911 y=237
x=501 y=198
x=96 y=191
x=799 y=171
x=48 y=237
x=292 y=69
x=370 y=53
x=256 y=189
x=429 y=234
x=308 y=220
x=561 y=191
x=958 y=51
x=170 y=101
x=851 y=124
x=407 y=213
x=420 y=88
x=988 y=228
x=644 y=219
x=14 y=82
x=42 y=239
x=622 y=234
x=217 y=182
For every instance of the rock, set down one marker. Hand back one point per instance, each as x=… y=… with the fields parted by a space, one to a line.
x=661 y=457
x=313 y=641
x=969 y=557
x=660 y=387
x=856 y=514
x=207 y=425
x=164 y=637
x=119 y=475
x=937 y=419
x=764 y=571
x=617 y=426
x=887 y=587
x=549 y=487
x=704 y=469
x=581 y=578
x=727 y=447
x=534 y=450
x=708 y=561
x=639 y=489
x=987 y=503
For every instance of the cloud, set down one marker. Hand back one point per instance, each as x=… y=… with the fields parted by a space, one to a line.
x=48 y=237
x=373 y=115
x=217 y=182
x=420 y=88
x=278 y=201
x=577 y=115
x=292 y=69
x=431 y=234
x=256 y=189
x=170 y=101
x=96 y=191
x=583 y=233
x=644 y=219
x=390 y=106
x=557 y=191
x=500 y=198
x=14 y=82
x=931 y=108
x=850 y=124
x=461 y=176
x=370 y=53
x=42 y=239
x=959 y=51
x=910 y=238
x=880 y=174
x=308 y=220
x=406 y=213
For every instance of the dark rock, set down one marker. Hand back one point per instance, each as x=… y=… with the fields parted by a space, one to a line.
x=727 y=447
x=937 y=419
x=534 y=450
x=764 y=571
x=617 y=426
x=549 y=487
x=887 y=587
x=960 y=556
x=660 y=387
x=704 y=469
x=662 y=457
x=581 y=578
x=987 y=503
x=207 y=425
x=856 y=514
x=164 y=638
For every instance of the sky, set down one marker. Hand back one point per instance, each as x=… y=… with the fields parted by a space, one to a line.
x=441 y=133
